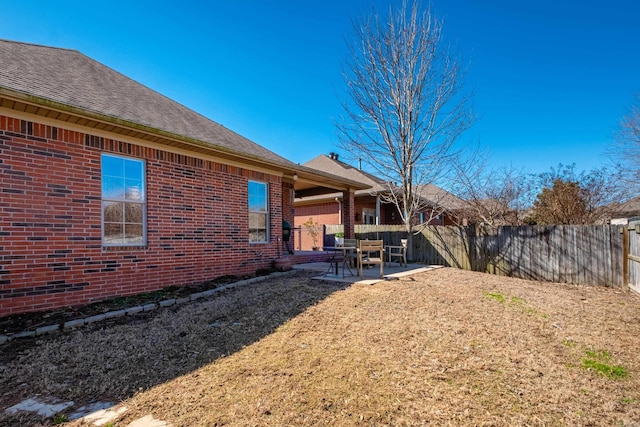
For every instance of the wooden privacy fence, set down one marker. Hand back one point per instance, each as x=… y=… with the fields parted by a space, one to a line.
x=632 y=241
x=586 y=254
x=391 y=234
x=581 y=254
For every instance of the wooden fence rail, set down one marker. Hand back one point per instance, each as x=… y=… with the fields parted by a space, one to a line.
x=580 y=254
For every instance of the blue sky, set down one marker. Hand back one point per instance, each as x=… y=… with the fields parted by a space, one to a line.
x=552 y=79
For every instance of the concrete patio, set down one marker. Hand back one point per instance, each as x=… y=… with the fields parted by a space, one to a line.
x=371 y=275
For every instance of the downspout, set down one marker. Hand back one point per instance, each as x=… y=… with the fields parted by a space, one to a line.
x=377 y=209
x=339 y=211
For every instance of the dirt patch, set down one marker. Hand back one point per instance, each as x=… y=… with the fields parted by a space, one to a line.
x=447 y=347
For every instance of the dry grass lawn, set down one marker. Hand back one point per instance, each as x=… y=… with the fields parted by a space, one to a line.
x=447 y=347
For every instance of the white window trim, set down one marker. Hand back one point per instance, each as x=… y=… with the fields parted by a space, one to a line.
x=143 y=202
x=266 y=214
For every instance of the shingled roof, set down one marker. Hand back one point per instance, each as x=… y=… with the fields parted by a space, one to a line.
x=69 y=78
x=339 y=168
x=431 y=193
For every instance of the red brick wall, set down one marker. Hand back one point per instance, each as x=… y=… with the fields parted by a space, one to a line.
x=322 y=213
x=50 y=220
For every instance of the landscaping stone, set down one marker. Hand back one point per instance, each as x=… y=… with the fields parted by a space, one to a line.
x=210 y=292
x=43 y=406
x=167 y=302
x=96 y=318
x=46 y=329
x=196 y=296
x=134 y=310
x=149 y=307
x=104 y=416
x=114 y=314
x=83 y=411
x=149 y=421
x=25 y=334
x=74 y=323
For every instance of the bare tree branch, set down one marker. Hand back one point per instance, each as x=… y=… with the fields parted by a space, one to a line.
x=492 y=196
x=404 y=104
x=626 y=152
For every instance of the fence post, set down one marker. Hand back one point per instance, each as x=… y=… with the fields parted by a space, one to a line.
x=625 y=256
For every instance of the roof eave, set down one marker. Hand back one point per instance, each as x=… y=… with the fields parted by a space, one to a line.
x=48 y=108
x=39 y=106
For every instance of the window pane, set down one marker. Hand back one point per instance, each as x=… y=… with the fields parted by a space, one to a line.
x=133 y=169
x=112 y=166
x=257 y=235
x=133 y=213
x=133 y=234
x=113 y=211
x=112 y=187
x=257 y=220
x=113 y=234
x=133 y=189
x=257 y=227
x=257 y=196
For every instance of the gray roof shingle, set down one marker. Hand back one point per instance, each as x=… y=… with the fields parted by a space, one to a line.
x=339 y=168
x=430 y=192
x=70 y=78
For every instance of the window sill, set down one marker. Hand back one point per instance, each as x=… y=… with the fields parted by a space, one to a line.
x=124 y=248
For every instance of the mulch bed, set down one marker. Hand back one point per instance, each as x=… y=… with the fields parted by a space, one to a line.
x=32 y=321
x=447 y=347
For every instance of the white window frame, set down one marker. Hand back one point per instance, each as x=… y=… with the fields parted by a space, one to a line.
x=368 y=214
x=141 y=201
x=253 y=211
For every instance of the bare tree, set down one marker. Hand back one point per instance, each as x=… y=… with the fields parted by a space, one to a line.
x=405 y=105
x=491 y=196
x=626 y=153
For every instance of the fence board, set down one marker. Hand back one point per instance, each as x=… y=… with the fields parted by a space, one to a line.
x=634 y=261
x=590 y=255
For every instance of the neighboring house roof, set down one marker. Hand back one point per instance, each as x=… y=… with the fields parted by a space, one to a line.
x=64 y=84
x=430 y=192
x=628 y=209
x=339 y=168
x=441 y=197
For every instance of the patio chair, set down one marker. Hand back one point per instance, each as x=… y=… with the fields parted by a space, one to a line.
x=398 y=252
x=371 y=252
x=352 y=256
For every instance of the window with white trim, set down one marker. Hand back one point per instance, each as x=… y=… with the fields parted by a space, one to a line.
x=258 y=212
x=368 y=216
x=123 y=201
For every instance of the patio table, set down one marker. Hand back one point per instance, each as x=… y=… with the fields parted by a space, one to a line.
x=334 y=261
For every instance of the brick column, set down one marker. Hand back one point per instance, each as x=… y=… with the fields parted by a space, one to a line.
x=287 y=211
x=348 y=213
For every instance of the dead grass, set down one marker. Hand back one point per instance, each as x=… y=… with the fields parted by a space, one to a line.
x=446 y=347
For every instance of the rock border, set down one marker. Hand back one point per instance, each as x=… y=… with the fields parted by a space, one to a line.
x=80 y=322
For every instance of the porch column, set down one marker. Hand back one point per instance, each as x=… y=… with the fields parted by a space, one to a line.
x=288 y=213
x=349 y=213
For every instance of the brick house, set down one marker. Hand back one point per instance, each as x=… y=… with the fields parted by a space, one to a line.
x=108 y=188
x=327 y=208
